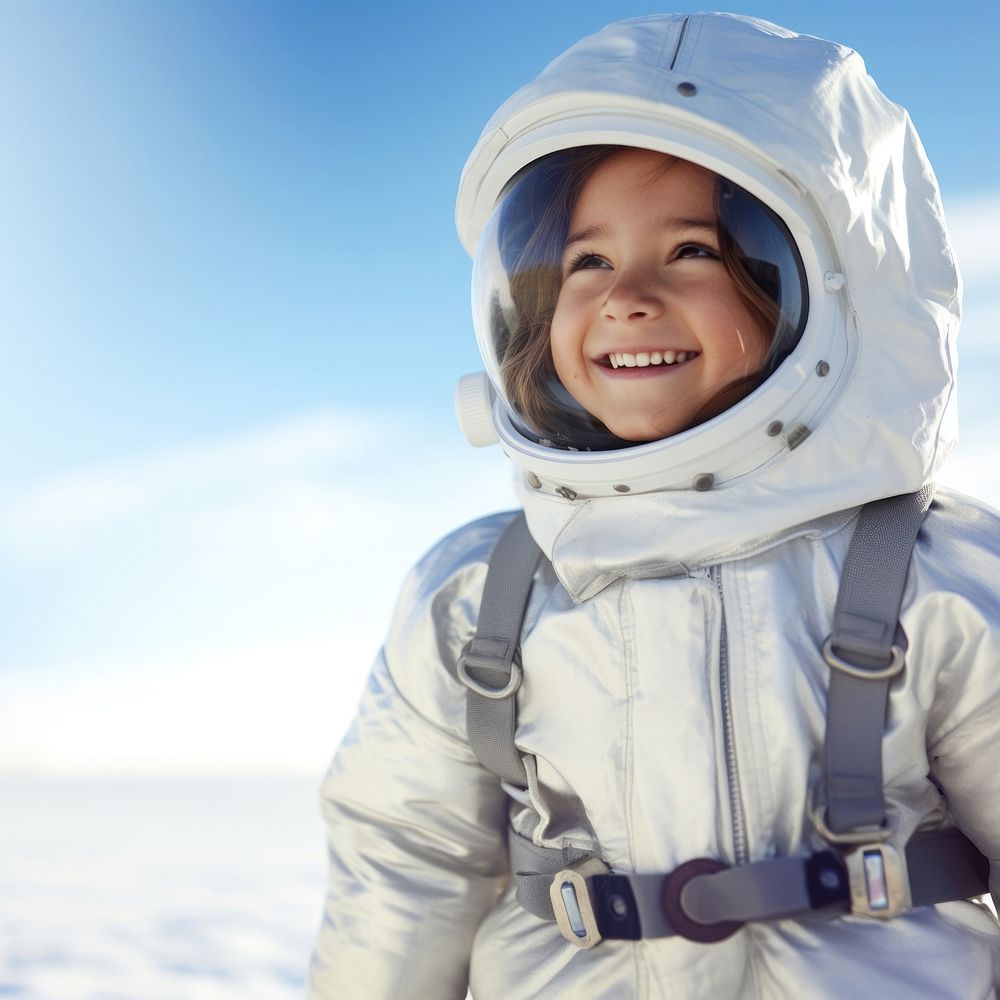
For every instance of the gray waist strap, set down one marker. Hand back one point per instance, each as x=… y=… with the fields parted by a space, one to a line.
x=762 y=891
x=941 y=865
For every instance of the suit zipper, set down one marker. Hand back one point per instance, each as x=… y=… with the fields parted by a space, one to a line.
x=741 y=854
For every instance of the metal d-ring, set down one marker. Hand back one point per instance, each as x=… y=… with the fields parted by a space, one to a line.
x=894 y=667
x=495 y=694
x=866 y=835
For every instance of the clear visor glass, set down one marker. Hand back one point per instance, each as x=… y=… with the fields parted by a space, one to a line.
x=622 y=296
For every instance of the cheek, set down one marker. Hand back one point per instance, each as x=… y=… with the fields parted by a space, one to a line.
x=566 y=338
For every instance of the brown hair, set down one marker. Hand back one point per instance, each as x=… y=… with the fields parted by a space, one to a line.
x=533 y=232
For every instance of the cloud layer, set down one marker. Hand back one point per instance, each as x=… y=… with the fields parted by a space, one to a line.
x=219 y=605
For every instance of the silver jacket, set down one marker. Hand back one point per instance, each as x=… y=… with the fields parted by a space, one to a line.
x=674 y=698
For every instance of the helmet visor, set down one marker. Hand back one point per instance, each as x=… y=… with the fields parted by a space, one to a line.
x=622 y=295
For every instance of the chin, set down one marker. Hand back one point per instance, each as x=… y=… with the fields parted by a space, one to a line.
x=641 y=432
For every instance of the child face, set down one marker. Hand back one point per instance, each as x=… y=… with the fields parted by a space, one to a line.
x=649 y=329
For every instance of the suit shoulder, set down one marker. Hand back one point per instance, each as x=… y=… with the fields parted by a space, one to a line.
x=957 y=523
x=464 y=551
x=436 y=616
x=958 y=549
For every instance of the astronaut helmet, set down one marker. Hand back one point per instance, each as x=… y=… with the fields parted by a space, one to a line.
x=655 y=286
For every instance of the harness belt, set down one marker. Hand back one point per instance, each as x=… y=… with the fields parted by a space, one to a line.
x=705 y=899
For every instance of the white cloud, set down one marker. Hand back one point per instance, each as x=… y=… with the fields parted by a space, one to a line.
x=217 y=607
x=317 y=474
x=974 y=224
x=974 y=469
x=110 y=491
x=272 y=708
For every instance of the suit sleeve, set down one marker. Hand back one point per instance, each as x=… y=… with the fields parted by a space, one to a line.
x=416 y=853
x=416 y=826
x=965 y=761
x=962 y=636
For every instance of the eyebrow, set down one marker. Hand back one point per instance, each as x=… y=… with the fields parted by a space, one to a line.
x=590 y=233
x=668 y=223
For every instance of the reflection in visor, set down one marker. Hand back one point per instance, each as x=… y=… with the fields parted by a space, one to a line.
x=762 y=248
x=519 y=274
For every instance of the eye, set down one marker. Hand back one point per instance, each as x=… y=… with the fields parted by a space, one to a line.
x=687 y=251
x=583 y=261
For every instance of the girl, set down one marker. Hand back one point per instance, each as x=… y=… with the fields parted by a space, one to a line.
x=717 y=307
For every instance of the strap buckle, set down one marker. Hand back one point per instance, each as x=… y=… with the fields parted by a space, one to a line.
x=880 y=885
x=894 y=666
x=573 y=903
x=494 y=655
x=864 y=835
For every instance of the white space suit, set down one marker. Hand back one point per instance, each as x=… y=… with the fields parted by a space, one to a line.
x=642 y=740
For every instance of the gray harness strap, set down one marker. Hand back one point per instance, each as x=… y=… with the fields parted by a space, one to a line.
x=533 y=868
x=942 y=865
x=703 y=895
x=864 y=659
x=490 y=665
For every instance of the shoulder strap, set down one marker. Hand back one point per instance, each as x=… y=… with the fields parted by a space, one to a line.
x=863 y=657
x=490 y=665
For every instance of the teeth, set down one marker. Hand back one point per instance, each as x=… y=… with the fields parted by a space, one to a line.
x=643 y=359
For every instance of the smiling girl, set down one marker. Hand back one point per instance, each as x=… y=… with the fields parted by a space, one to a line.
x=701 y=722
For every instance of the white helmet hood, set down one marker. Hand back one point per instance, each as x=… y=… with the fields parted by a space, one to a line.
x=864 y=406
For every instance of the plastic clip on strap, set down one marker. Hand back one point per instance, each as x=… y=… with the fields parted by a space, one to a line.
x=489 y=665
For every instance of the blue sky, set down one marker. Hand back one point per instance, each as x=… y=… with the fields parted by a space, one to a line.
x=234 y=309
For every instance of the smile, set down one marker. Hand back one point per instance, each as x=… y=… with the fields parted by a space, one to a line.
x=646 y=359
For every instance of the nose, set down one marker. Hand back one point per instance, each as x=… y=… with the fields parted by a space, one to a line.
x=635 y=296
